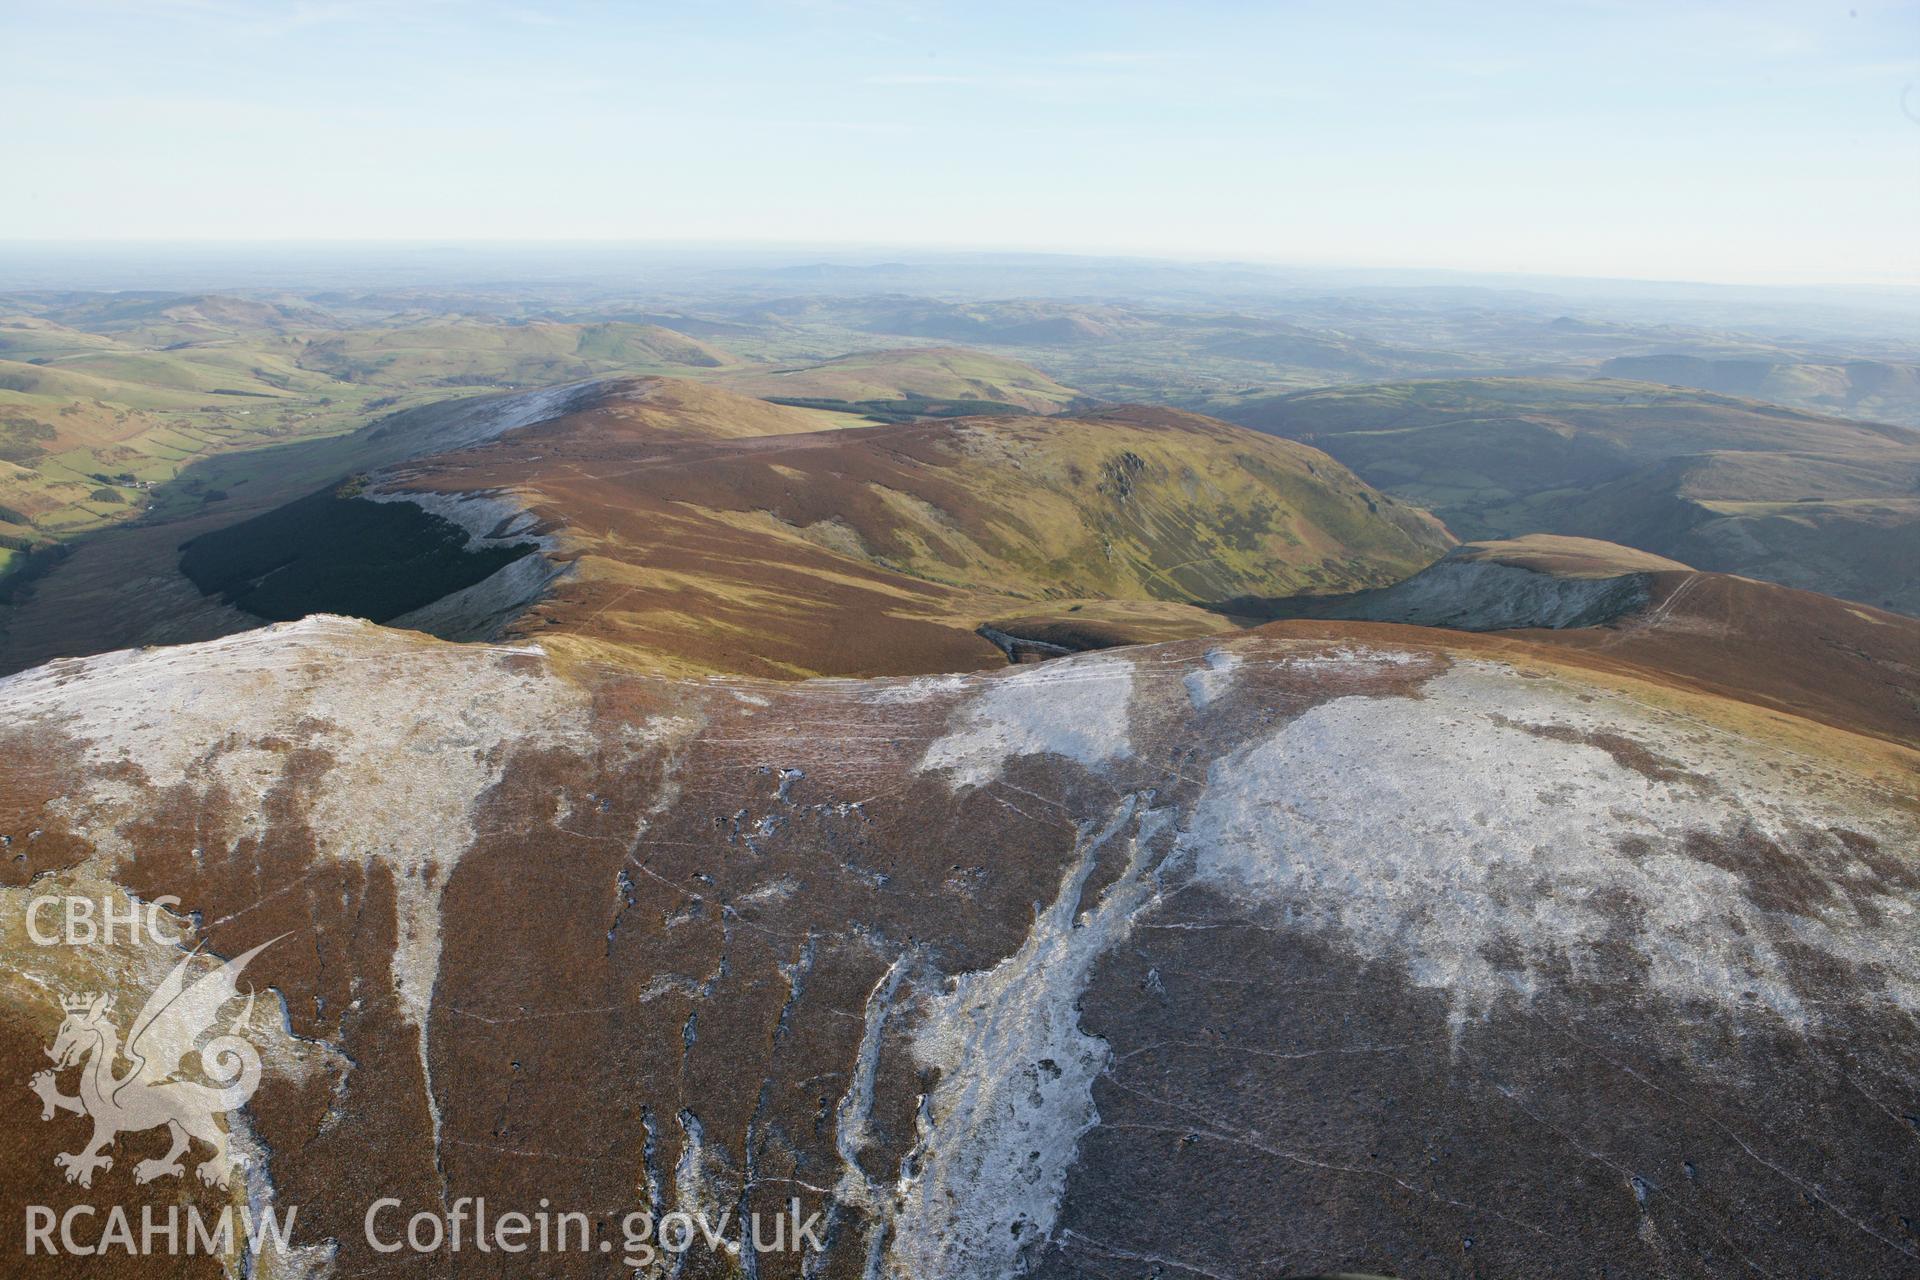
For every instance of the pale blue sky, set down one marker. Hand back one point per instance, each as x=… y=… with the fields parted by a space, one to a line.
x=1738 y=141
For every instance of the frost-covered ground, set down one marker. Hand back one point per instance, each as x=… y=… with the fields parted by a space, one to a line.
x=1038 y=970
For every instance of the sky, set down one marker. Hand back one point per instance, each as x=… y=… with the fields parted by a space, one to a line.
x=1748 y=142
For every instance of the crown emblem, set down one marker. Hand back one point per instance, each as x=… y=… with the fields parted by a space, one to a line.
x=82 y=1002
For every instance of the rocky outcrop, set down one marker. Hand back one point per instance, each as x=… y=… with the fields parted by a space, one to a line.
x=1808 y=656
x=1478 y=595
x=1541 y=581
x=485 y=609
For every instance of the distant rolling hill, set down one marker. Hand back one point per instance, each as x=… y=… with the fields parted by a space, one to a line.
x=914 y=373
x=108 y=398
x=477 y=353
x=1116 y=351
x=30 y=338
x=1820 y=503
x=86 y=433
x=150 y=318
x=95 y=427
x=1876 y=389
x=668 y=544
x=1024 y=322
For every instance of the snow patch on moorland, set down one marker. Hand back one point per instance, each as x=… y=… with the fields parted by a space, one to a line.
x=1350 y=659
x=413 y=733
x=493 y=518
x=1212 y=679
x=494 y=416
x=483 y=610
x=894 y=693
x=1441 y=834
x=1015 y=1093
x=1075 y=707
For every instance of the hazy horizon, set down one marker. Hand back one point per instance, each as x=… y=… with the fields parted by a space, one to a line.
x=243 y=266
x=1752 y=144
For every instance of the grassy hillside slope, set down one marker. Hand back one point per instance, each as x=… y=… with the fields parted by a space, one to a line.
x=883 y=548
x=482 y=354
x=914 y=373
x=97 y=423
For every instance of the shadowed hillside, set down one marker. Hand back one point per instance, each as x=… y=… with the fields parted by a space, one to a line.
x=121 y=586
